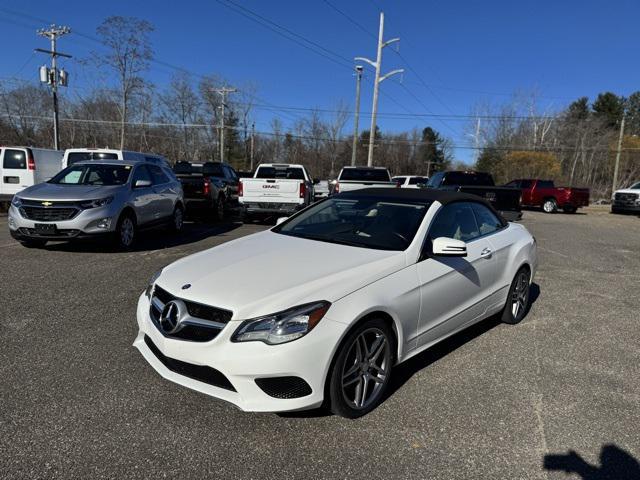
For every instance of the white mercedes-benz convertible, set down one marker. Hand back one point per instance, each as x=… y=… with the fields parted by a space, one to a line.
x=322 y=307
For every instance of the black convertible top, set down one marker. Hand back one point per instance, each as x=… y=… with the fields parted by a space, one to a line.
x=426 y=195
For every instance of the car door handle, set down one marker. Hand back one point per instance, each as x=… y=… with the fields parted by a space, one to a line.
x=486 y=252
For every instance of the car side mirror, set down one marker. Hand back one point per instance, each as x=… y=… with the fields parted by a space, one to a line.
x=281 y=219
x=142 y=183
x=449 y=247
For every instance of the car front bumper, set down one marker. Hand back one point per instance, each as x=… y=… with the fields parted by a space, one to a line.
x=84 y=224
x=625 y=206
x=242 y=363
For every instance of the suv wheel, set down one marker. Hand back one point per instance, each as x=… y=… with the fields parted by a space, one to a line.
x=126 y=231
x=550 y=205
x=177 y=221
x=362 y=369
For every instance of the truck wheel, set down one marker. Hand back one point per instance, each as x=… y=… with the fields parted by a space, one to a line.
x=125 y=234
x=362 y=369
x=518 y=299
x=570 y=209
x=219 y=209
x=550 y=205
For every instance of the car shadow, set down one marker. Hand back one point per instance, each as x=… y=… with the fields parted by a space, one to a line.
x=403 y=372
x=152 y=239
x=615 y=463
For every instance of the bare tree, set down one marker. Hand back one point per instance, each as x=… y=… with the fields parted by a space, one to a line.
x=128 y=55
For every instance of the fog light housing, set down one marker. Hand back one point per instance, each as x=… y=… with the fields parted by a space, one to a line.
x=12 y=222
x=104 y=223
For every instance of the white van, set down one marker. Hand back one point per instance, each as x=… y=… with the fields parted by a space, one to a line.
x=21 y=167
x=73 y=155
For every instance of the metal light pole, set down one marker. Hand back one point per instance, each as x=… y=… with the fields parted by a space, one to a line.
x=359 y=69
x=223 y=93
x=614 y=186
x=53 y=76
x=376 y=83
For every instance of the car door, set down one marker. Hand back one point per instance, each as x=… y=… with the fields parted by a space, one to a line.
x=453 y=290
x=164 y=194
x=142 y=198
x=15 y=173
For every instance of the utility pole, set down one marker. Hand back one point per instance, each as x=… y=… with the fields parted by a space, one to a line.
x=223 y=93
x=615 y=168
x=53 y=76
x=253 y=134
x=376 y=83
x=359 y=69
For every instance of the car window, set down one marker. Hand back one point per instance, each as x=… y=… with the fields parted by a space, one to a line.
x=486 y=219
x=293 y=173
x=513 y=184
x=14 y=159
x=525 y=184
x=141 y=173
x=434 y=181
x=366 y=174
x=545 y=184
x=416 y=180
x=455 y=220
x=157 y=175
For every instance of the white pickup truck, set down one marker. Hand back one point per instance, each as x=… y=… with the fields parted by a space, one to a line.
x=356 y=178
x=275 y=189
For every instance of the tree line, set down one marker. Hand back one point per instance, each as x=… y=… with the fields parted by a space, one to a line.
x=182 y=120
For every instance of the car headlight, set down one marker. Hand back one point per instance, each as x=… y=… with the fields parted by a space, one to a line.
x=16 y=201
x=100 y=202
x=282 y=327
x=152 y=282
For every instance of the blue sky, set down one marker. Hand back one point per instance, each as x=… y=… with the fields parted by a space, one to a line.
x=467 y=52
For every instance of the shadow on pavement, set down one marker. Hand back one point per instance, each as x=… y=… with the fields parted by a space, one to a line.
x=152 y=239
x=615 y=464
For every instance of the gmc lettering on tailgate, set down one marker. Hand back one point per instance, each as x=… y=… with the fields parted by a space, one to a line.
x=271 y=186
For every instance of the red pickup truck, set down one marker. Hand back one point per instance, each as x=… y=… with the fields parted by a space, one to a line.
x=543 y=193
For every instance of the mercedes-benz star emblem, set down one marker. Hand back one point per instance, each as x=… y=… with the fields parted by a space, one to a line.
x=185 y=286
x=171 y=316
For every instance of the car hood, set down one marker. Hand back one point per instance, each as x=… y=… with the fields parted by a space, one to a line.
x=52 y=191
x=267 y=272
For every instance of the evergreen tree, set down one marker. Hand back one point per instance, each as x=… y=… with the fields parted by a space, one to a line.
x=609 y=107
x=432 y=152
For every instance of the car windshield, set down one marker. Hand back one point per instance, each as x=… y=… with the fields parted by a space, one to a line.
x=365 y=174
x=361 y=221
x=635 y=186
x=87 y=174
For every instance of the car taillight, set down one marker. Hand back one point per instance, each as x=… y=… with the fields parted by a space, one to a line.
x=336 y=189
x=303 y=189
x=240 y=189
x=31 y=163
x=207 y=187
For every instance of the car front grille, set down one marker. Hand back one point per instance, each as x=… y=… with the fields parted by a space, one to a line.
x=201 y=373
x=48 y=214
x=626 y=198
x=58 y=234
x=284 y=387
x=214 y=318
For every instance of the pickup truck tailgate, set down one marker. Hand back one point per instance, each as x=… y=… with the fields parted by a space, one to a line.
x=271 y=190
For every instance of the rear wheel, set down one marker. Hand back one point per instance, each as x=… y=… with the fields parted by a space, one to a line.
x=219 y=208
x=125 y=232
x=518 y=299
x=33 y=243
x=550 y=205
x=362 y=369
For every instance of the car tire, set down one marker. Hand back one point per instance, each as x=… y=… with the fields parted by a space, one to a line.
x=126 y=231
x=550 y=205
x=570 y=209
x=362 y=369
x=177 y=219
x=517 y=305
x=218 y=208
x=33 y=243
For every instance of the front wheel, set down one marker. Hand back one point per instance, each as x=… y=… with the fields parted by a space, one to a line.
x=177 y=221
x=550 y=205
x=518 y=299
x=125 y=232
x=362 y=369
x=219 y=208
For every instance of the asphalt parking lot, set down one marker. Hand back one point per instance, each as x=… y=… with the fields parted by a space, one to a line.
x=558 y=392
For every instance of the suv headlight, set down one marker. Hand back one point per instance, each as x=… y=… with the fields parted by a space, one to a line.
x=16 y=201
x=100 y=202
x=282 y=327
x=152 y=282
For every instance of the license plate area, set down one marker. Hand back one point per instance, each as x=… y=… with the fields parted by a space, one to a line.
x=45 y=228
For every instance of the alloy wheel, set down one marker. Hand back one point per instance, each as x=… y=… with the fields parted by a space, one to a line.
x=127 y=232
x=520 y=296
x=365 y=368
x=220 y=209
x=178 y=219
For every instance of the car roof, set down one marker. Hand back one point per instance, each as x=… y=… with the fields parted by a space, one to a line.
x=130 y=163
x=426 y=195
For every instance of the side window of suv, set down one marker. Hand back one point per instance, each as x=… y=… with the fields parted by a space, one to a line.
x=487 y=221
x=158 y=175
x=141 y=173
x=457 y=221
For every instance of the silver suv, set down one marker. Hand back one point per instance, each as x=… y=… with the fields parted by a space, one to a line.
x=94 y=198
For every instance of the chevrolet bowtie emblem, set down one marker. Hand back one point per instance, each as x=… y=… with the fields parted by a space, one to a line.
x=47 y=204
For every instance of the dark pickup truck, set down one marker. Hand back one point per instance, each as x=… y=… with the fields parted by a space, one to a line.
x=209 y=186
x=504 y=199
